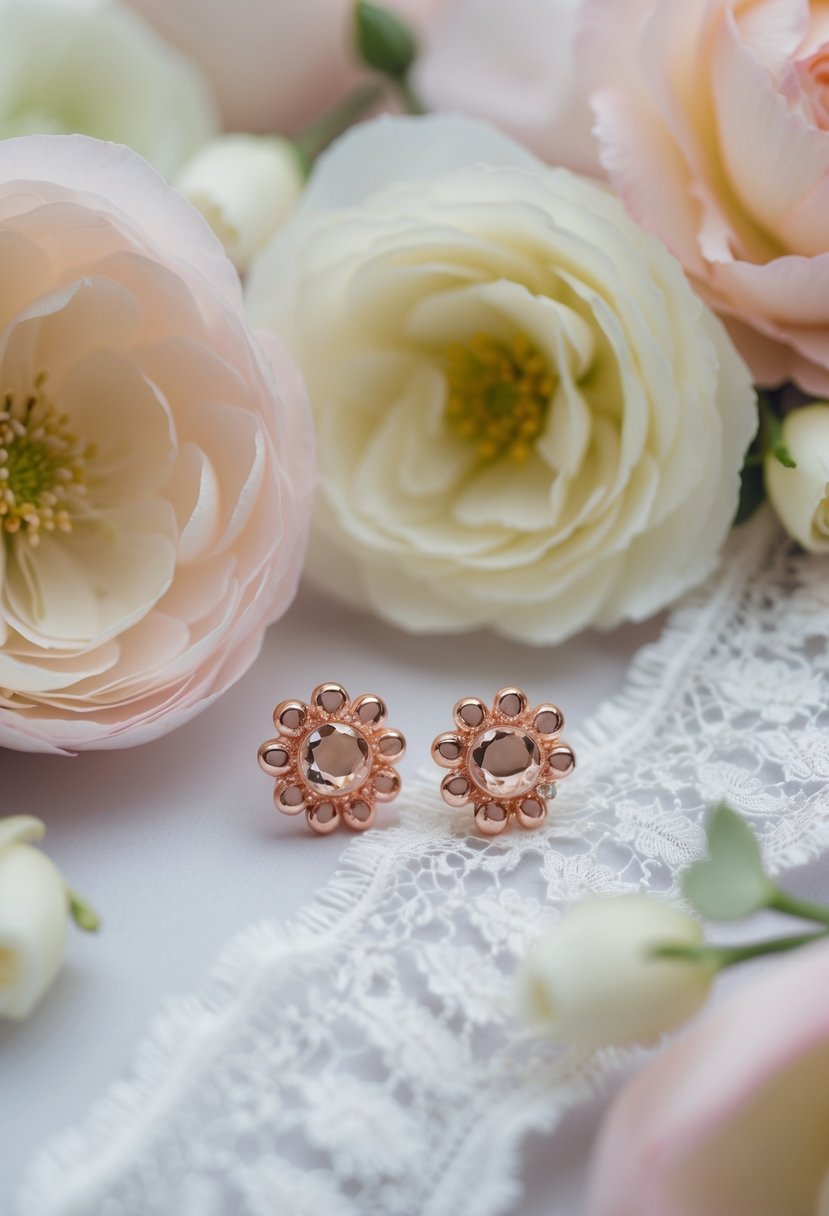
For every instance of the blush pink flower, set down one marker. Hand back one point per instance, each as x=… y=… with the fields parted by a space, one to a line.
x=279 y=65
x=155 y=461
x=713 y=124
x=732 y=1119
x=275 y=64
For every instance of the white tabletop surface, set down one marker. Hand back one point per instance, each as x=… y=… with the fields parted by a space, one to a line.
x=177 y=845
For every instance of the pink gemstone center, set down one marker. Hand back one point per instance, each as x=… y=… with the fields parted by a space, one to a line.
x=505 y=762
x=334 y=759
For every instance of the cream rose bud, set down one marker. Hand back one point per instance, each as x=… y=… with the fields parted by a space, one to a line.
x=34 y=913
x=244 y=186
x=593 y=980
x=801 y=495
x=526 y=419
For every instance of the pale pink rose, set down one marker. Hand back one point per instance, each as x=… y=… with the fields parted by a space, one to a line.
x=712 y=122
x=279 y=64
x=733 y=1118
x=515 y=65
x=275 y=64
x=155 y=461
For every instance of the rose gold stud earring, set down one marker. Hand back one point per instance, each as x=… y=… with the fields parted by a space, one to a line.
x=505 y=761
x=332 y=759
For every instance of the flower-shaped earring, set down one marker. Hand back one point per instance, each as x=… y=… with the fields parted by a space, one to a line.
x=333 y=759
x=505 y=760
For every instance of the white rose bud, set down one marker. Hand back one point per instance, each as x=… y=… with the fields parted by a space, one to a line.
x=593 y=981
x=34 y=911
x=244 y=186
x=801 y=495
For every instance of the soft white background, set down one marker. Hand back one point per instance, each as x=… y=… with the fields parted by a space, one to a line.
x=178 y=846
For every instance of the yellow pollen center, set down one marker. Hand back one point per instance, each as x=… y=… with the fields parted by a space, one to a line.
x=498 y=395
x=43 y=467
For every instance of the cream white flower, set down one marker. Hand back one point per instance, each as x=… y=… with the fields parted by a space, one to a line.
x=244 y=186
x=34 y=913
x=526 y=419
x=93 y=67
x=801 y=495
x=593 y=982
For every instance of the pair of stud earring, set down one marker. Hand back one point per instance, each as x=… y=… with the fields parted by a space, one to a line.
x=333 y=759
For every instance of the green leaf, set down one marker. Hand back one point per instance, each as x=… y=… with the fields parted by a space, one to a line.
x=384 y=42
x=731 y=882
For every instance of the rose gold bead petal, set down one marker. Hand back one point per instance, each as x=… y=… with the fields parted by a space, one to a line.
x=391 y=744
x=289 y=716
x=491 y=818
x=323 y=818
x=329 y=697
x=531 y=813
x=387 y=785
x=561 y=760
x=469 y=713
x=548 y=720
x=289 y=799
x=370 y=710
x=455 y=790
x=358 y=815
x=447 y=750
x=273 y=757
x=511 y=702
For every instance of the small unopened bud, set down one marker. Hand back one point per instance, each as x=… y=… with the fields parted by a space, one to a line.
x=597 y=980
x=244 y=186
x=384 y=42
x=800 y=495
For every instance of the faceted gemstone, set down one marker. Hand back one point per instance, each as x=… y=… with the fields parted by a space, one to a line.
x=505 y=762
x=334 y=759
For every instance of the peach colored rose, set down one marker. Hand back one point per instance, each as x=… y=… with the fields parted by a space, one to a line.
x=732 y=1119
x=712 y=123
x=155 y=461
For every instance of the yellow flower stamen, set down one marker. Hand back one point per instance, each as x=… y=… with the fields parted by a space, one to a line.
x=498 y=395
x=43 y=467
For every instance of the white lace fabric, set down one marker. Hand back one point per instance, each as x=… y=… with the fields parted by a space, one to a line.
x=365 y=1061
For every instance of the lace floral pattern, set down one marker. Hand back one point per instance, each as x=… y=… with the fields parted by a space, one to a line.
x=365 y=1062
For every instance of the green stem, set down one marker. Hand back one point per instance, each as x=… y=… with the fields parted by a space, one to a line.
x=771 y=432
x=726 y=956
x=803 y=909
x=83 y=914
x=409 y=96
x=316 y=138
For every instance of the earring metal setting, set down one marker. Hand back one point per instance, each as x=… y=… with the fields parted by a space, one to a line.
x=333 y=758
x=506 y=761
